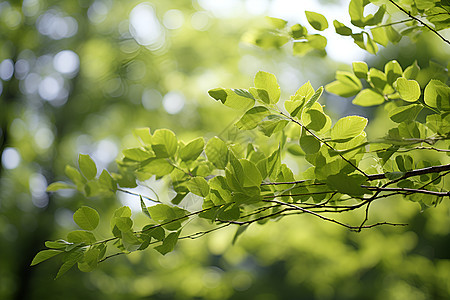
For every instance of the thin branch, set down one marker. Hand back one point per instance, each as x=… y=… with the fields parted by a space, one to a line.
x=407 y=190
x=420 y=21
x=355 y=228
x=428 y=170
x=138 y=195
x=281 y=183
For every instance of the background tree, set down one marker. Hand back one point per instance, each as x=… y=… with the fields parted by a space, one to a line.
x=241 y=279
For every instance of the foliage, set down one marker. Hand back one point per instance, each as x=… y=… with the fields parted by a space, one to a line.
x=241 y=184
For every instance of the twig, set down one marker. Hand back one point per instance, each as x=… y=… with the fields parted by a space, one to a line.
x=138 y=195
x=428 y=170
x=420 y=21
x=375 y=188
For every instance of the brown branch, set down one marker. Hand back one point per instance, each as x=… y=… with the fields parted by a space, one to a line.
x=428 y=170
x=407 y=190
x=420 y=21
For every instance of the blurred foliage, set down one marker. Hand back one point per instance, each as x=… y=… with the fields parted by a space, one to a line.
x=77 y=77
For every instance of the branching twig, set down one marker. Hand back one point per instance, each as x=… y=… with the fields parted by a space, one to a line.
x=407 y=190
x=420 y=21
x=428 y=170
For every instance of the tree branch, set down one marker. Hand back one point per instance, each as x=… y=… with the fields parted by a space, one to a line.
x=428 y=170
x=420 y=21
x=375 y=188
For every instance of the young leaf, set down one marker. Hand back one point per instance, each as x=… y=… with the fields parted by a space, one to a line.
x=252 y=117
x=89 y=261
x=169 y=243
x=309 y=144
x=268 y=82
x=346 y=84
x=314 y=98
x=70 y=260
x=217 y=152
x=360 y=69
x=81 y=236
x=164 y=143
x=368 y=97
x=87 y=166
x=56 y=186
x=341 y=28
x=405 y=113
x=317 y=21
x=347 y=128
x=44 y=255
x=348 y=184
x=87 y=218
x=437 y=95
x=409 y=90
x=198 y=186
x=76 y=177
x=192 y=150
x=144 y=207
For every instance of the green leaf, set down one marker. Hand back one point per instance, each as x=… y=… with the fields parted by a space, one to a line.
x=90 y=260
x=298 y=31
x=144 y=207
x=348 y=184
x=317 y=21
x=314 y=119
x=437 y=95
x=169 y=243
x=235 y=99
x=309 y=144
x=360 y=69
x=409 y=90
x=314 y=98
x=412 y=71
x=58 y=244
x=143 y=135
x=81 y=236
x=252 y=117
x=164 y=143
x=392 y=34
x=252 y=176
x=198 y=186
x=405 y=113
x=347 y=128
x=368 y=97
x=306 y=91
x=44 y=255
x=76 y=177
x=192 y=150
x=124 y=224
x=56 y=186
x=163 y=213
x=268 y=82
x=379 y=36
x=217 y=152
x=393 y=70
x=87 y=218
x=158 y=167
x=346 y=84
x=218 y=94
x=341 y=28
x=87 y=166
x=137 y=154
x=107 y=182
x=276 y=22
x=70 y=260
